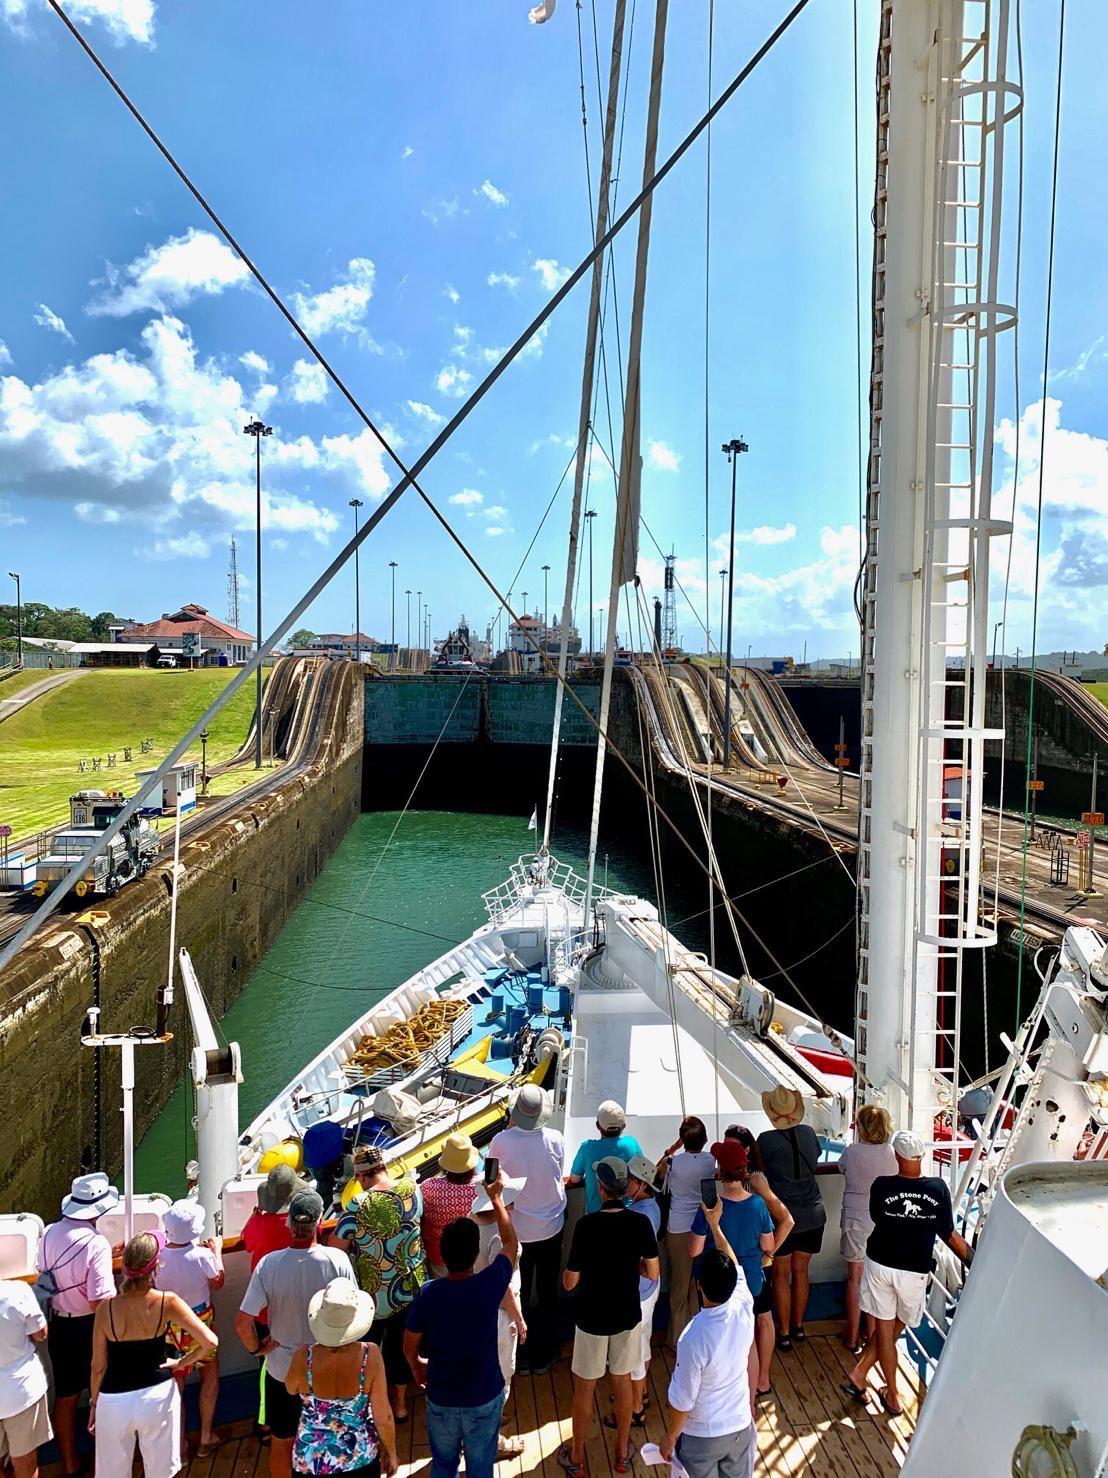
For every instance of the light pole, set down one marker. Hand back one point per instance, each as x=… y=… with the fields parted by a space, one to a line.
x=18 y=619
x=356 y=503
x=392 y=638
x=545 y=604
x=419 y=615
x=257 y=429
x=996 y=629
x=722 y=611
x=731 y=450
x=589 y=516
x=203 y=761
x=408 y=621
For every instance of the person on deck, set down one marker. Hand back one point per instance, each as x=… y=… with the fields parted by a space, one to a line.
x=267 y=1226
x=861 y=1163
x=194 y=1271
x=909 y=1211
x=750 y=1230
x=75 y=1261
x=535 y=1155
x=24 y=1417
x=611 y=1125
x=611 y=1250
x=790 y=1152
x=380 y=1229
x=681 y=1169
x=279 y=1292
x=511 y=1327
x=450 y=1343
x=642 y=1196
x=758 y=1185
x=448 y=1196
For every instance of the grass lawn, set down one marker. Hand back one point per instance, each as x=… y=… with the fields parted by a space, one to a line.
x=25 y=679
x=1098 y=690
x=99 y=714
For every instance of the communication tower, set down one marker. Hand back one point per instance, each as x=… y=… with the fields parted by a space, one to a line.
x=233 y=587
x=669 y=607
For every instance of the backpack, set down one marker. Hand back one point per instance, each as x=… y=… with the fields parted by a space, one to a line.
x=46 y=1285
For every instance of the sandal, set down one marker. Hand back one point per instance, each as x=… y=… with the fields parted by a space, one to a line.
x=855 y=1392
x=510 y=1447
x=784 y=1342
x=565 y=1461
x=798 y=1335
x=883 y=1397
x=209 y=1449
x=638 y=1419
x=623 y=1464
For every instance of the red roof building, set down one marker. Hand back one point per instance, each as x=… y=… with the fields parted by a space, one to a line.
x=191 y=621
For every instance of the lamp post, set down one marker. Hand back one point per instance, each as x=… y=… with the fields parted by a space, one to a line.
x=392 y=638
x=408 y=621
x=18 y=619
x=722 y=610
x=419 y=615
x=731 y=450
x=996 y=629
x=589 y=516
x=257 y=429
x=545 y=604
x=356 y=503
x=203 y=761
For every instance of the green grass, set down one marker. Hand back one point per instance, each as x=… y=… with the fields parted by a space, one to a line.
x=20 y=680
x=100 y=713
x=1098 y=690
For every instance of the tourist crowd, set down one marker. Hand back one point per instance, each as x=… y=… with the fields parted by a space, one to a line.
x=452 y=1283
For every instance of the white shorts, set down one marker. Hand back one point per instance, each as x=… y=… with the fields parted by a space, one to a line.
x=593 y=1354
x=153 y=1416
x=646 y=1329
x=891 y=1293
x=507 y=1345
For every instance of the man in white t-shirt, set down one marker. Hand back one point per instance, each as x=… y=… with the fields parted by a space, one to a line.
x=530 y=1153
x=24 y=1419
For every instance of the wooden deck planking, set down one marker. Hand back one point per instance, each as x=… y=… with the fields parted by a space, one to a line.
x=808 y=1428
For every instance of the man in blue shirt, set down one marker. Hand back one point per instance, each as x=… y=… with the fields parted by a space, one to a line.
x=611 y=1124
x=450 y=1343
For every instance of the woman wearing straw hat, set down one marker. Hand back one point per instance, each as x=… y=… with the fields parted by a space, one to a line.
x=448 y=1196
x=346 y=1421
x=791 y=1152
x=133 y=1393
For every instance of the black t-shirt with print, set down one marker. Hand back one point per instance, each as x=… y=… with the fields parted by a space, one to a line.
x=908 y=1213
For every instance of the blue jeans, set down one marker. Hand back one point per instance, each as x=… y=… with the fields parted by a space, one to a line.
x=473 y=1430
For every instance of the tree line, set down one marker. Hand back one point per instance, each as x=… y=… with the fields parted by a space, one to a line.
x=63 y=624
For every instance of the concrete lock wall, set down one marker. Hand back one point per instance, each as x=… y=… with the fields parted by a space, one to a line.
x=240 y=883
x=459 y=708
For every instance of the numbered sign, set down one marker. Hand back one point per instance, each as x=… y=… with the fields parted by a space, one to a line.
x=1092 y=818
x=1036 y=785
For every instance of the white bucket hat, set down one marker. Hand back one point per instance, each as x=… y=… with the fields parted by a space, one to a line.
x=184 y=1221
x=340 y=1314
x=90 y=1196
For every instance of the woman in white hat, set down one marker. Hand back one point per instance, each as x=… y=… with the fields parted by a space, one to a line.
x=194 y=1270
x=346 y=1421
x=448 y=1195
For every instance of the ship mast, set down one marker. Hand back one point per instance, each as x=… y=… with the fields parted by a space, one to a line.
x=943 y=104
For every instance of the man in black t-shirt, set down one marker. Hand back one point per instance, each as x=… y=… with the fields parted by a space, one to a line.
x=611 y=1249
x=908 y=1210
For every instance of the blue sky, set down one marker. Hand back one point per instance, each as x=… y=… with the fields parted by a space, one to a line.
x=412 y=180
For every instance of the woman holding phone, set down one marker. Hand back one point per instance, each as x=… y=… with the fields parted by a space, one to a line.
x=685 y=1164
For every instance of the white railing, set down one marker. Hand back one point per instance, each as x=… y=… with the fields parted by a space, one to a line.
x=520 y=887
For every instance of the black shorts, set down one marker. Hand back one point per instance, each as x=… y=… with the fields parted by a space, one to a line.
x=70 y=1344
x=763 y=1301
x=282 y=1411
x=809 y=1242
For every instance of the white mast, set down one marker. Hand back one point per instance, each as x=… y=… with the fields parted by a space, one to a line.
x=626 y=537
x=942 y=101
x=588 y=376
x=216 y=1074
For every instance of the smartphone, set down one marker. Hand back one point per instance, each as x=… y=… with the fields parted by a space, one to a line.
x=492 y=1169
x=709 y=1194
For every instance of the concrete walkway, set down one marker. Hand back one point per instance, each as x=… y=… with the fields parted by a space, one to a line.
x=8 y=706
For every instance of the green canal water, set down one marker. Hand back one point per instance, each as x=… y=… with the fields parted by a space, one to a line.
x=376 y=913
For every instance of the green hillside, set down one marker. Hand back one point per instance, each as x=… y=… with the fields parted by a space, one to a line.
x=20 y=680
x=99 y=714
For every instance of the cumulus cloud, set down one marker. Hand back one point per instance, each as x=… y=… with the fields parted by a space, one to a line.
x=169 y=276
x=308 y=384
x=157 y=438
x=661 y=457
x=469 y=499
x=5 y=355
x=423 y=412
x=46 y=318
x=252 y=360
x=551 y=273
x=765 y=534
x=407 y=151
x=502 y=279
x=452 y=379
x=495 y=530
x=452 y=293
x=492 y=194
x=441 y=210
x=125 y=20
x=8 y=519
x=187 y=546
x=342 y=308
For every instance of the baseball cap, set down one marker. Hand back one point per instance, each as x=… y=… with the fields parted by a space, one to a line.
x=610 y=1115
x=641 y=1168
x=730 y=1156
x=306 y=1208
x=907 y=1145
x=611 y=1173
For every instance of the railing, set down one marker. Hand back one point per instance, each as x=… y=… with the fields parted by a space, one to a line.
x=520 y=886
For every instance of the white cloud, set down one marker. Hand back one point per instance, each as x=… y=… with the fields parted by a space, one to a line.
x=495 y=530
x=342 y=308
x=423 y=412
x=169 y=276
x=8 y=519
x=502 y=279
x=5 y=355
x=551 y=273
x=496 y=511
x=491 y=193
x=252 y=360
x=467 y=498
x=187 y=546
x=407 y=151
x=766 y=534
x=364 y=455
x=441 y=210
x=48 y=319
x=661 y=457
x=1089 y=359
x=463 y=334
x=452 y=380
x=452 y=293
x=553 y=439
x=157 y=439
x=308 y=384
x=126 y=20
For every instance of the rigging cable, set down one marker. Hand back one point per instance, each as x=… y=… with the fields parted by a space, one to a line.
x=1039 y=509
x=707 y=525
